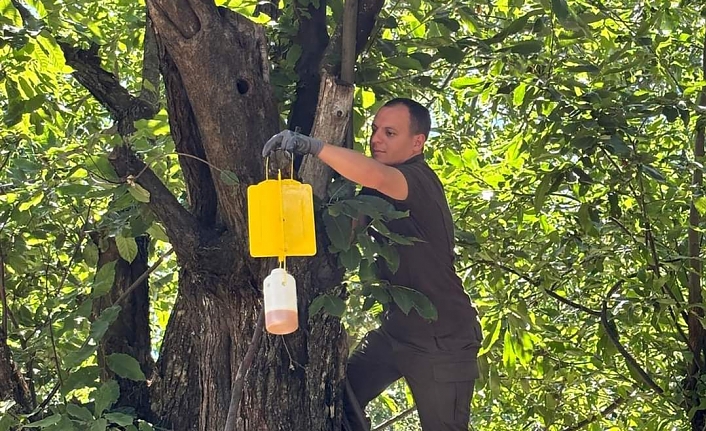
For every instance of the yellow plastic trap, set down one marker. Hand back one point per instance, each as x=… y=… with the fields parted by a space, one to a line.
x=281 y=218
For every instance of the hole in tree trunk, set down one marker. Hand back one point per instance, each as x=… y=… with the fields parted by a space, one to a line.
x=242 y=85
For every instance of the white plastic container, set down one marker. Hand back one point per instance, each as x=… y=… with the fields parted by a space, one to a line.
x=280 y=291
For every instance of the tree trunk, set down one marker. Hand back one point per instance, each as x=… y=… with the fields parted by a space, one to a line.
x=697 y=334
x=222 y=110
x=130 y=334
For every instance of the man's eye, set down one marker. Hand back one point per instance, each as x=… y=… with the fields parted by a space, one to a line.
x=390 y=134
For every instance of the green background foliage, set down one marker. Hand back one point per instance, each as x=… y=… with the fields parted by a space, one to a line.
x=563 y=133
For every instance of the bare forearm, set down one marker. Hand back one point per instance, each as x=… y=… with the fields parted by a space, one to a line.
x=353 y=165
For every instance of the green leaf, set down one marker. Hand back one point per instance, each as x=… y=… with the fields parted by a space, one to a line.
x=366 y=272
x=560 y=9
x=617 y=146
x=338 y=230
x=424 y=306
x=509 y=356
x=157 y=232
x=333 y=305
x=48 y=421
x=125 y=366
x=654 y=173
x=121 y=419
x=127 y=247
x=700 y=204
x=526 y=47
x=350 y=258
x=467 y=81
x=83 y=377
x=99 y=425
x=489 y=342
x=144 y=426
x=229 y=177
x=104 y=279
x=540 y=194
x=79 y=412
x=139 y=193
x=402 y=298
x=391 y=257
x=514 y=27
x=101 y=325
x=451 y=54
x=380 y=294
x=407 y=63
x=106 y=396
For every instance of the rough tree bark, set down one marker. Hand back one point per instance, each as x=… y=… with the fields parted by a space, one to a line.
x=130 y=334
x=697 y=334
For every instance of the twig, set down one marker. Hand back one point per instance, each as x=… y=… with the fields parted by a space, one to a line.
x=571 y=303
x=536 y=283
x=603 y=413
x=51 y=329
x=143 y=276
x=237 y=390
x=613 y=336
x=3 y=295
x=394 y=419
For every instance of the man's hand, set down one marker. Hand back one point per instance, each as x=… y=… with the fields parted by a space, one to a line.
x=293 y=142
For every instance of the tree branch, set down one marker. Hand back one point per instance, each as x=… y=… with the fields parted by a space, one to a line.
x=395 y=419
x=150 y=67
x=368 y=11
x=612 y=332
x=187 y=140
x=123 y=107
x=696 y=312
x=313 y=39
x=237 y=389
x=143 y=276
x=332 y=114
x=181 y=226
x=537 y=284
x=603 y=413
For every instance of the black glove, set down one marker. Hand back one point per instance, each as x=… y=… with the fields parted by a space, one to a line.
x=293 y=142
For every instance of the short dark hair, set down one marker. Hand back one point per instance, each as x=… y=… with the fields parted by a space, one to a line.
x=420 y=120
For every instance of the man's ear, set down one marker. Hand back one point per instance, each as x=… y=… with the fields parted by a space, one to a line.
x=419 y=141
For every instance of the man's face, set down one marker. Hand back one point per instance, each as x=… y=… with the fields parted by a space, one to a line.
x=393 y=141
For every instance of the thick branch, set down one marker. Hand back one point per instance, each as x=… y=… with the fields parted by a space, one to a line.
x=187 y=140
x=613 y=336
x=313 y=39
x=368 y=11
x=181 y=227
x=696 y=312
x=150 y=67
x=225 y=74
x=105 y=87
x=332 y=114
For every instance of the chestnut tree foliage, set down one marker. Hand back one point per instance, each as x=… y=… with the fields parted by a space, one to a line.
x=569 y=136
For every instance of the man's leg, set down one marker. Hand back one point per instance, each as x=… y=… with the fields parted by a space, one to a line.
x=442 y=392
x=371 y=369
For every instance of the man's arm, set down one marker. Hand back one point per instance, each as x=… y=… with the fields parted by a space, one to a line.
x=363 y=170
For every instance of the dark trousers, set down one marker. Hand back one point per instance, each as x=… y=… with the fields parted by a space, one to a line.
x=442 y=386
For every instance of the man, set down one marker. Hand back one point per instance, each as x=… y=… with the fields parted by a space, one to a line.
x=437 y=359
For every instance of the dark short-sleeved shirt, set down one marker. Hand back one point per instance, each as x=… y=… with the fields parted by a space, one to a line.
x=428 y=267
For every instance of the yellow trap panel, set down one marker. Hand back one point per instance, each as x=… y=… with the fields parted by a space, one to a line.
x=281 y=219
